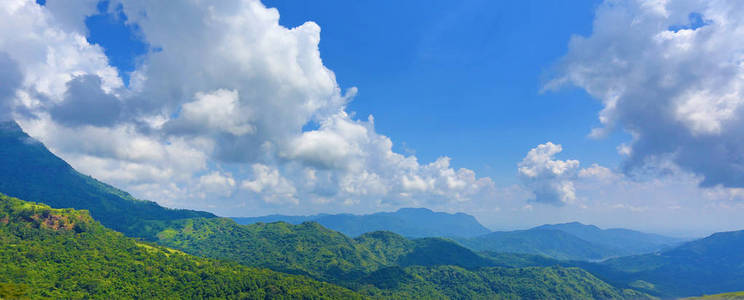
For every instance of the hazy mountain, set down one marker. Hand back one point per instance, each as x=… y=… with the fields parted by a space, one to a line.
x=570 y=241
x=29 y=171
x=624 y=241
x=711 y=265
x=551 y=243
x=409 y=222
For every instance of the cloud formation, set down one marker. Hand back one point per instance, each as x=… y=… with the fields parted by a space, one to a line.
x=672 y=74
x=215 y=113
x=549 y=179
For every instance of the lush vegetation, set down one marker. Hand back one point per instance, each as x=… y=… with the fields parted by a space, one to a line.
x=724 y=296
x=707 y=266
x=408 y=222
x=551 y=243
x=29 y=171
x=63 y=253
x=623 y=241
x=383 y=264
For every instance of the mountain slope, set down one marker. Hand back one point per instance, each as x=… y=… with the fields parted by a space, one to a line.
x=63 y=253
x=552 y=243
x=624 y=241
x=711 y=265
x=409 y=222
x=29 y=171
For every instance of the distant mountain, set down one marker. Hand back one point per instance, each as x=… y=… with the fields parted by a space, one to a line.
x=624 y=241
x=48 y=253
x=551 y=243
x=570 y=241
x=384 y=264
x=29 y=171
x=711 y=265
x=409 y=222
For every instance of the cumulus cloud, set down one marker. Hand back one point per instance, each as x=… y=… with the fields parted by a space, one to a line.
x=214 y=116
x=672 y=74
x=549 y=179
x=86 y=103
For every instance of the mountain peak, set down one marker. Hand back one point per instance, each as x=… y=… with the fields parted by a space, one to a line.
x=414 y=210
x=10 y=126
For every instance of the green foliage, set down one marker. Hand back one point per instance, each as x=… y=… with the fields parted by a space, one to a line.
x=382 y=264
x=707 y=266
x=724 y=296
x=44 y=254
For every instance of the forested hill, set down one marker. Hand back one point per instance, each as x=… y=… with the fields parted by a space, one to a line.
x=28 y=170
x=711 y=265
x=65 y=254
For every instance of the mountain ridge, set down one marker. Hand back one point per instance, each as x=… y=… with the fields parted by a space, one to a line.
x=409 y=222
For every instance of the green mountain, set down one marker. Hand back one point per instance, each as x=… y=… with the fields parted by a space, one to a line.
x=64 y=253
x=724 y=296
x=624 y=241
x=29 y=171
x=384 y=264
x=551 y=243
x=711 y=265
x=310 y=248
x=571 y=241
x=378 y=264
x=409 y=222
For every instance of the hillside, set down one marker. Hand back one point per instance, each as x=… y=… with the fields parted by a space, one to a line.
x=29 y=171
x=64 y=253
x=408 y=222
x=624 y=241
x=711 y=265
x=551 y=243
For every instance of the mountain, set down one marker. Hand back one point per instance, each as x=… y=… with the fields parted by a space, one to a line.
x=311 y=249
x=624 y=241
x=29 y=171
x=551 y=243
x=711 y=265
x=65 y=254
x=409 y=222
x=383 y=264
x=571 y=241
x=377 y=265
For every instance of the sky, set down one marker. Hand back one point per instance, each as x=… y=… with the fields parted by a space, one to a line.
x=614 y=113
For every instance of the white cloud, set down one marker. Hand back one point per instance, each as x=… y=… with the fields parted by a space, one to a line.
x=549 y=179
x=672 y=74
x=272 y=186
x=214 y=113
x=216 y=183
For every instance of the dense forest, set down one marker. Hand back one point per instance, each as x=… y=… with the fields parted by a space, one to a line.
x=64 y=253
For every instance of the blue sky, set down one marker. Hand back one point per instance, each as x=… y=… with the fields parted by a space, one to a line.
x=461 y=78
x=616 y=113
x=458 y=79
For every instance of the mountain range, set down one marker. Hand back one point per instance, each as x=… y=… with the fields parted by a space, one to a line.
x=323 y=263
x=571 y=241
x=409 y=222
x=55 y=250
